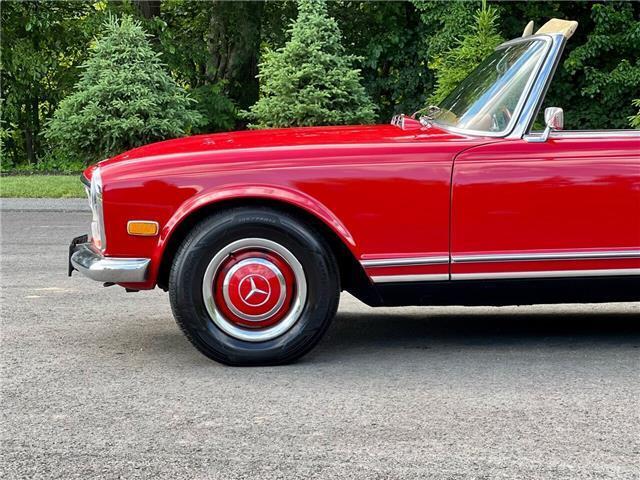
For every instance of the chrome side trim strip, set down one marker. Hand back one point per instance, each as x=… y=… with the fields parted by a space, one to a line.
x=407 y=261
x=607 y=134
x=509 y=257
x=536 y=257
x=432 y=277
x=443 y=277
x=595 y=133
x=546 y=274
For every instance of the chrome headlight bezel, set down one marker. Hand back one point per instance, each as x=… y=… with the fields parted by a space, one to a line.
x=98 y=236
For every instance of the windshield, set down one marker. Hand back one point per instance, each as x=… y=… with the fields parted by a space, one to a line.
x=488 y=99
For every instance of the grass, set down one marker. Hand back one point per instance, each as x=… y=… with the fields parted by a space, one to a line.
x=41 y=186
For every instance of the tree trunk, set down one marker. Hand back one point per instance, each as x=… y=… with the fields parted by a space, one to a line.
x=234 y=47
x=28 y=145
x=148 y=8
x=31 y=122
x=35 y=121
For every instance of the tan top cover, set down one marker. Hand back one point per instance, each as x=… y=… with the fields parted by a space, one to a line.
x=555 y=25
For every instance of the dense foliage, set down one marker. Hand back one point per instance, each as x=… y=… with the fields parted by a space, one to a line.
x=311 y=80
x=605 y=70
x=42 y=45
x=124 y=98
x=635 y=119
x=391 y=39
x=453 y=66
x=213 y=48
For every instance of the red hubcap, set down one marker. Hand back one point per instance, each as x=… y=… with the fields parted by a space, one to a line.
x=254 y=289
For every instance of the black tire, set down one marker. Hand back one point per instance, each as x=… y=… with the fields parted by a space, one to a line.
x=214 y=233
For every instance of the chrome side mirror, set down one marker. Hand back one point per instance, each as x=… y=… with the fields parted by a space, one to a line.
x=554 y=120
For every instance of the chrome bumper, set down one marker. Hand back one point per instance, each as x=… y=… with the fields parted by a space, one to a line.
x=94 y=265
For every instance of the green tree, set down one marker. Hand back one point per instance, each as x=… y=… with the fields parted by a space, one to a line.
x=181 y=30
x=124 y=98
x=445 y=24
x=634 y=120
x=311 y=80
x=604 y=71
x=454 y=65
x=43 y=43
x=233 y=43
x=213 y=47
x=391 y=39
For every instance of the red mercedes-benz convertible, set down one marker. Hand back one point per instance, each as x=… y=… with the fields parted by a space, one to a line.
x=255 y=233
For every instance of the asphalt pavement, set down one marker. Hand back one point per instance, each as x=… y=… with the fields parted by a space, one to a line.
x=100 y=383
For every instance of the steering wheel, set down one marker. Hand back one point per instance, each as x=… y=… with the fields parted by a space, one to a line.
x=500 y=119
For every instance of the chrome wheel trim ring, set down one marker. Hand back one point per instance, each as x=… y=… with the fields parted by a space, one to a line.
x=268 y=333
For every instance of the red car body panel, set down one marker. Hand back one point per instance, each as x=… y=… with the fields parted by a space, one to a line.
x=384 y=191
x=390 y=194
x=564 y=195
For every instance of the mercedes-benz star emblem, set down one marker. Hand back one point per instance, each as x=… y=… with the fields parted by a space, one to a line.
x=259 y=290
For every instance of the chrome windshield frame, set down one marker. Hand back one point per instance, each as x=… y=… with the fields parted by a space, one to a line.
x=533 y=93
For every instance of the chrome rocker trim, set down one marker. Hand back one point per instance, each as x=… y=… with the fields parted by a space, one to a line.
x=406 y=261
x=546 y=274
x=509 y=257
x=429 y=277
x=443 y=277
x=94 y=265
x=537 y=257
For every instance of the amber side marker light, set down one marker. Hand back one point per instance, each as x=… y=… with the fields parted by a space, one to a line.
x=142 y=228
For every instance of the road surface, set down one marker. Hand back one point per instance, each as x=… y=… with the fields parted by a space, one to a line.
x=99 y=383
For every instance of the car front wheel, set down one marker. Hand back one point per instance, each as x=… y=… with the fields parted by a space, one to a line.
x=254 y=286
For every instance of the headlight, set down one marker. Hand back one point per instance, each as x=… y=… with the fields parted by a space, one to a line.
x=97 y=222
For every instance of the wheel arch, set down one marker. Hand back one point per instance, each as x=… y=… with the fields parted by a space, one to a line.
x=352 y=275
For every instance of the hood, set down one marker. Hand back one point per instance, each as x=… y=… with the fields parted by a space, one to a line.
x=282 y=137
x=261 y=148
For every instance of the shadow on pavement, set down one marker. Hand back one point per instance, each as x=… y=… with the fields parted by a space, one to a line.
x=365 y=329
x=389 y=331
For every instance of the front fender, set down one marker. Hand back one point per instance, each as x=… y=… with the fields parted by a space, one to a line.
x=280 y=194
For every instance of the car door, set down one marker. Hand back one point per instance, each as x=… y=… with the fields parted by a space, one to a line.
x=566 y=207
